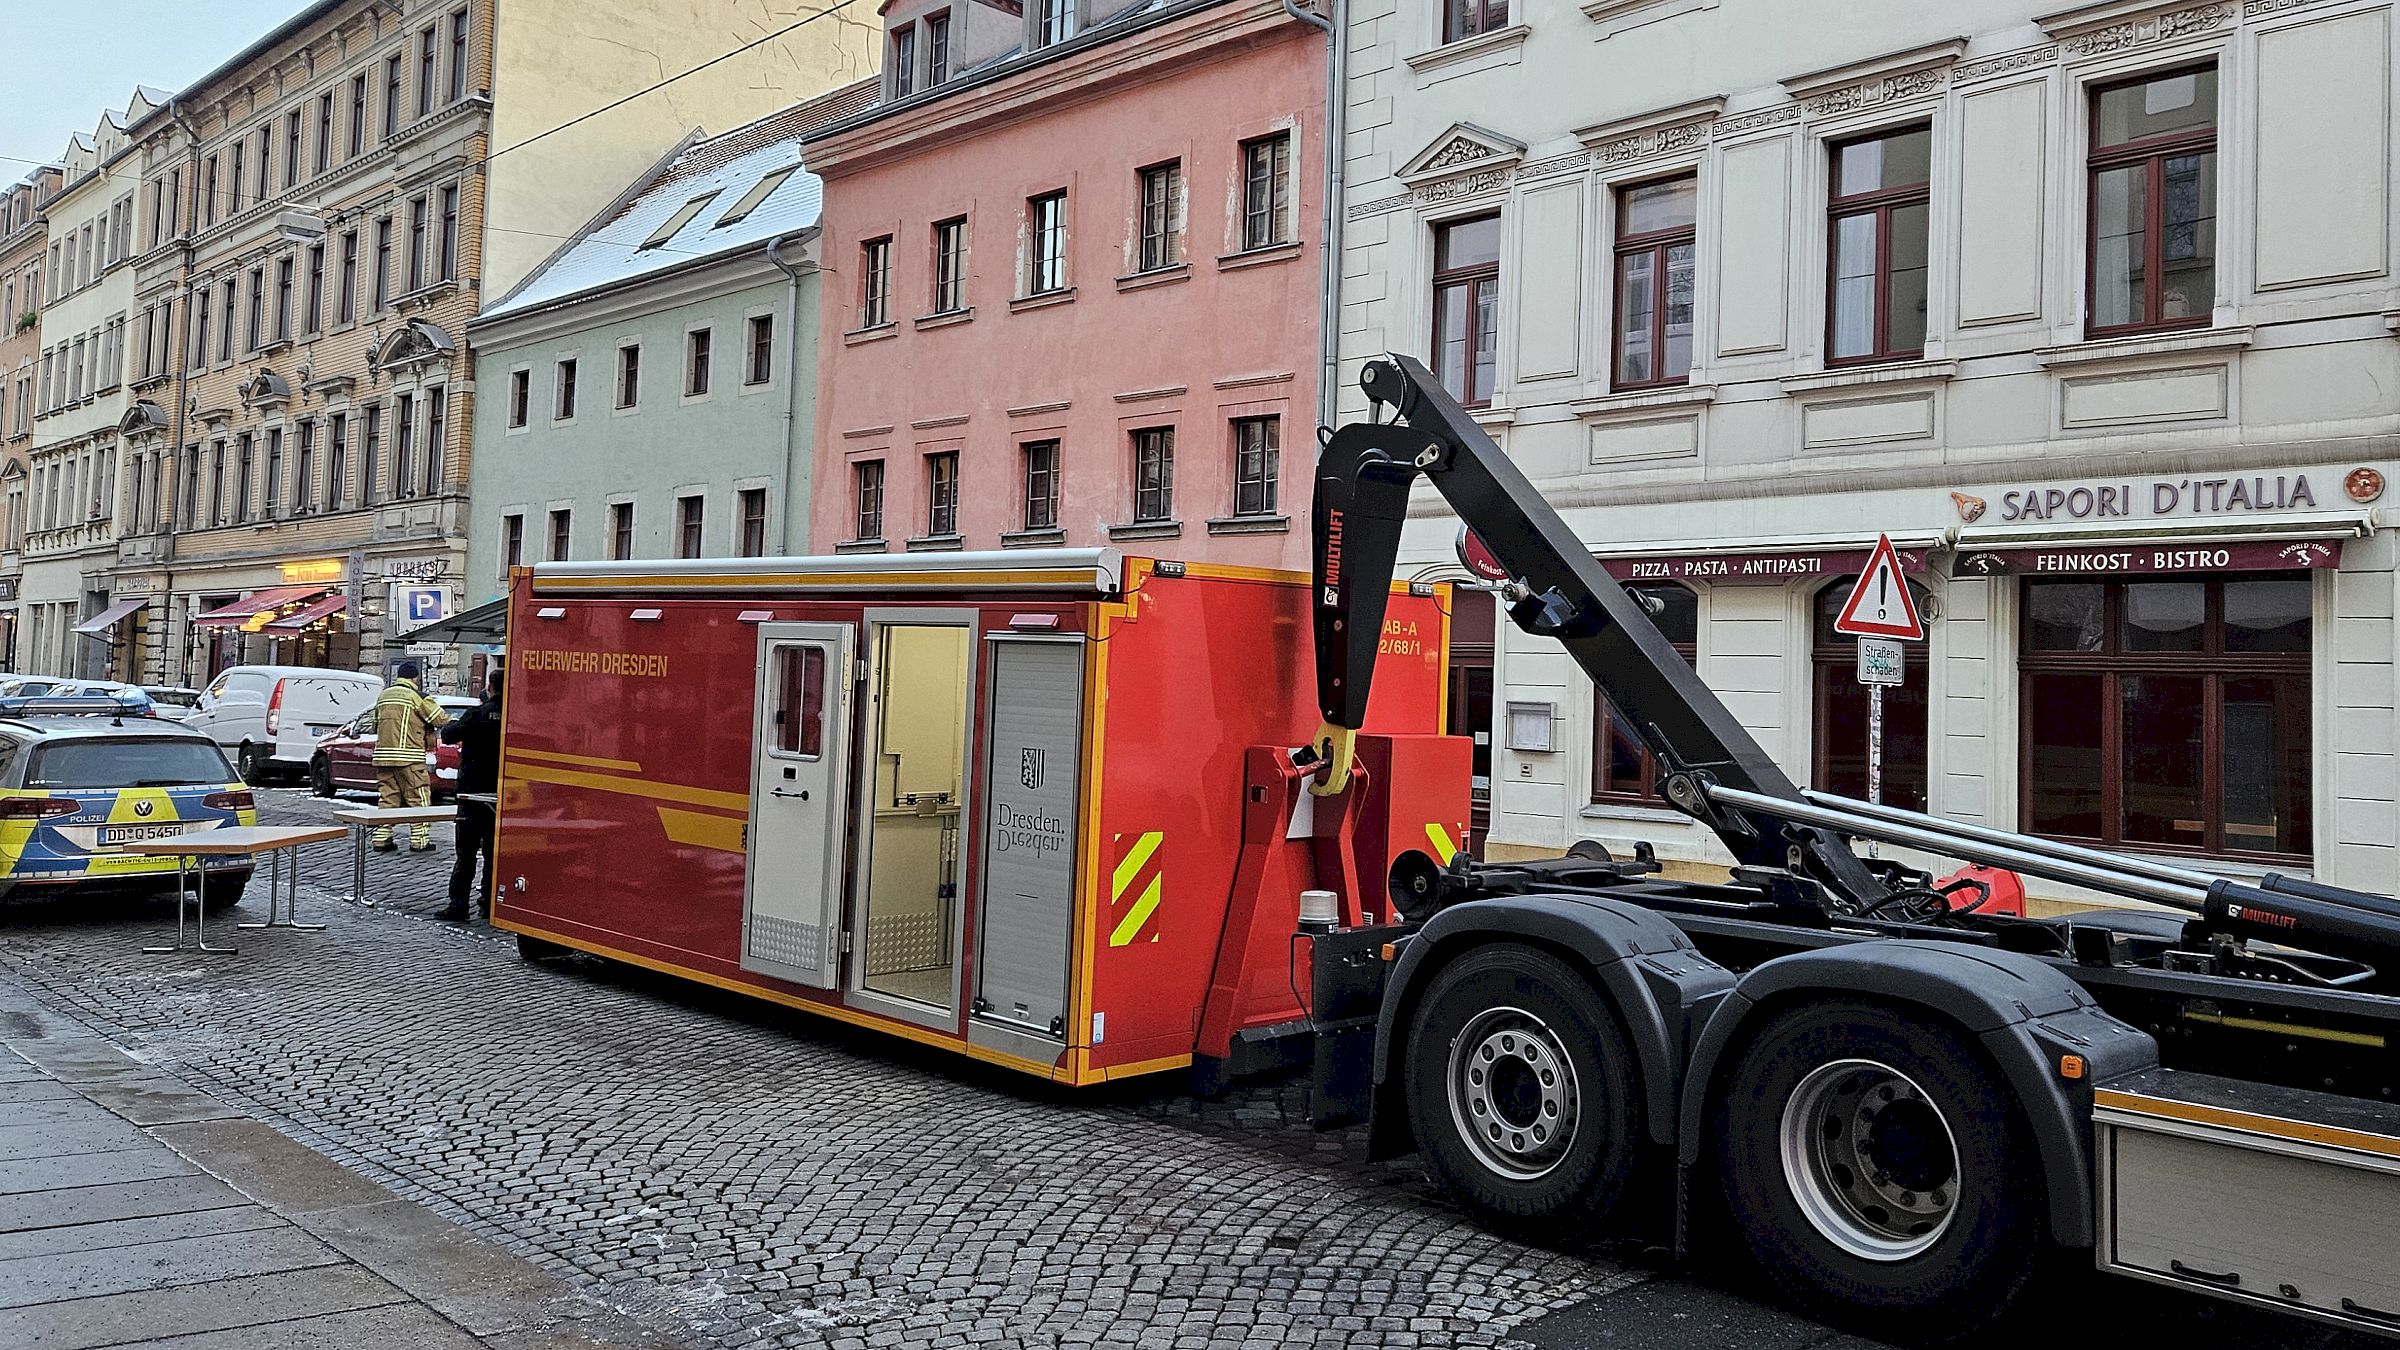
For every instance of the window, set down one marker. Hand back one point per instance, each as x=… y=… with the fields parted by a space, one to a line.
x=208 y=199
x=695 y=361
x=1266 y=191
x=291 y=148
x=391 y=96
x=1256 y=464
x=197 y=307
x=2153 y=236
x=337 y=462
x=875 y=284
x=2169 y=713
x=1046 y=266
x=800 y=700
x=753 y=503
x=370 y=451
x=1041 y=485
x=243 y=447
x=520 y=397
x=1153 y=475
x=314 y=311
x=690 y=522
x=562 y=532
x=437 y=442
x=629 y=375
x=937 y=49
x=759 y=192
x=1622 y=770
x=447 y=249
x=324 y=157
x=404 y=444
x=683 y=216
x=271 y=499
x=266 y=157
x=620 y=530
x=1466 y=305
x=383 y=263
x=512 y=541
x=760 y=366
x=258 y=307
x=563 y=391
x=458 y=55
x=1875 y=250
x=345 y=301
x=426 y=50
x=1162 y=207
x=941 y=493
x=950 y=266
x=866 y=495
x=1057 y=22
x=358 y=115
x=418 y=210
x=283 y=299
x=1841 y=711
x=1467 y=18
x=234 y=179
x=225 y=298
x=1654 y=282
x=904 y=60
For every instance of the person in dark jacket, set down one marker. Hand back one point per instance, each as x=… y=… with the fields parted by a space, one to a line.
x=476 y=733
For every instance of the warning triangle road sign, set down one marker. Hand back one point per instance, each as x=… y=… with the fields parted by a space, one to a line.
x=1880 y=605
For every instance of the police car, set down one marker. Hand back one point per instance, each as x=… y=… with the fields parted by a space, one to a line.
x=82 y=778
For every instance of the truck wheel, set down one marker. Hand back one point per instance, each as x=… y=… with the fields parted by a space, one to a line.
x=253 y=763
x=1877 y=1170
x=1522 y=1092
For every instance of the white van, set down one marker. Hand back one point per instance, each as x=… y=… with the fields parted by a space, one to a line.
x=269 y=718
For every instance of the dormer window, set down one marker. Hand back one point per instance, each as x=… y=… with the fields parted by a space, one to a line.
x=1057 y=22
x=937 y=49
x=904 y=61
x=682 y=217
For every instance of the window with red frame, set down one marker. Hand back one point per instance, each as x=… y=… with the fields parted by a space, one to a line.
x=2153 y=205
x=1876 y=247
x=1622 y=770
x=1466 y=306
x=1656 y=225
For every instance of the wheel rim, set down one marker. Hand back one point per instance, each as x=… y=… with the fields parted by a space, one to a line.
x=1513 y=1093
x=1871 y=1160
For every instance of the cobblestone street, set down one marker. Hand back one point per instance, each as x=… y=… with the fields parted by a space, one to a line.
x=727 y=1174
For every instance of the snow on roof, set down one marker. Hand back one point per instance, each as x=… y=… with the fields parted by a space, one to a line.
x=716 y=198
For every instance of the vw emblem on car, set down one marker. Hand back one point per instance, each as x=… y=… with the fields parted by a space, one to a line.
x=142 y=808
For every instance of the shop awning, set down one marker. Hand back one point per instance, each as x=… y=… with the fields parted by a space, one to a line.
x=110 y=617
x=241 y=612
x=484 y=625
x=2291 y=541
x=1760 y=561
x=302 y=619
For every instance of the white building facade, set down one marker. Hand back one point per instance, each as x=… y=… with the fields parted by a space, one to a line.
x=72 y=480
x=2092 y=311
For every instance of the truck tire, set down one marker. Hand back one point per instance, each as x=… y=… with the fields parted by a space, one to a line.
x=1876 y=1167
x=253 y=763
x=1522 y=1092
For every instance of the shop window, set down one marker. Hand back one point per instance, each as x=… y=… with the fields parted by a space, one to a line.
x=1840 y=705
x=2168 y=714
x=1622 y=771
x=2152 y=210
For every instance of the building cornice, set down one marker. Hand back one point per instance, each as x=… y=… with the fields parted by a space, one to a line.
x=1889 y=66
x=1186 y=35
x=697 y=283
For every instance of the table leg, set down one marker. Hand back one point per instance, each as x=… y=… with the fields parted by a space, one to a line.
x=358 y=867
x=180 y=900
x=200 y=912
x=291 y=897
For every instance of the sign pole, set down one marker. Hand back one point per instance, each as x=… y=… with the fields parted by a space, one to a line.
x=1875 y=744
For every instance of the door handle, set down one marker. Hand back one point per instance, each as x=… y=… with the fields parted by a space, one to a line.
x=802 y=794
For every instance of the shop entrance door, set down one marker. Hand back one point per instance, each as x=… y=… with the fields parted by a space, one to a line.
x=800 y=737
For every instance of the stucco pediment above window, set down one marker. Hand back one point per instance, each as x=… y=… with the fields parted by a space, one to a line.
x=1682 y=127
x=266 y=389
x=2118 y=23
x=143 y=417
x=415 y=343
x=1463 y=149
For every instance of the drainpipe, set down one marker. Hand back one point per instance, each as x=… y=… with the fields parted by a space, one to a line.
x=1329 y=288
x=183 y=376
x=791 y=397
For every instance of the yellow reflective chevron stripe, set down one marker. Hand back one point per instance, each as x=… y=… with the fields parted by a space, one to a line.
x=1443 y=849
x=1130 y=869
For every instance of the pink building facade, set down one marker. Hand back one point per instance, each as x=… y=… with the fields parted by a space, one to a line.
x=1073 y=283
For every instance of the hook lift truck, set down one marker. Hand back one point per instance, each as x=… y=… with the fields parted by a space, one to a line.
x=1899 y=1100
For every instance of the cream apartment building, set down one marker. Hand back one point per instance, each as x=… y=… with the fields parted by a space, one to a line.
x=23 y=233
x=2091 y=310
x=71 y=467
x=320 y=218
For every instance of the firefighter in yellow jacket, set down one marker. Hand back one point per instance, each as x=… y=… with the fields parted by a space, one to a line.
x=403 y=716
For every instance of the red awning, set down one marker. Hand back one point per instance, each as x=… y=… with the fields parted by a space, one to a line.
x=299 y=620
x=250 y=606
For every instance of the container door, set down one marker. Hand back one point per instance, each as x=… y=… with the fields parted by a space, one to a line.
x=1030 y=833
x=799 y=741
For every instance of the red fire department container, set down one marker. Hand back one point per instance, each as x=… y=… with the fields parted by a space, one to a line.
x=993 y=802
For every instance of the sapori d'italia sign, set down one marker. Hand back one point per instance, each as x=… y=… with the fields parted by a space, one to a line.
x=554 y=661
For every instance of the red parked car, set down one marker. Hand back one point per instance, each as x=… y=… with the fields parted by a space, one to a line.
x=346 y=758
